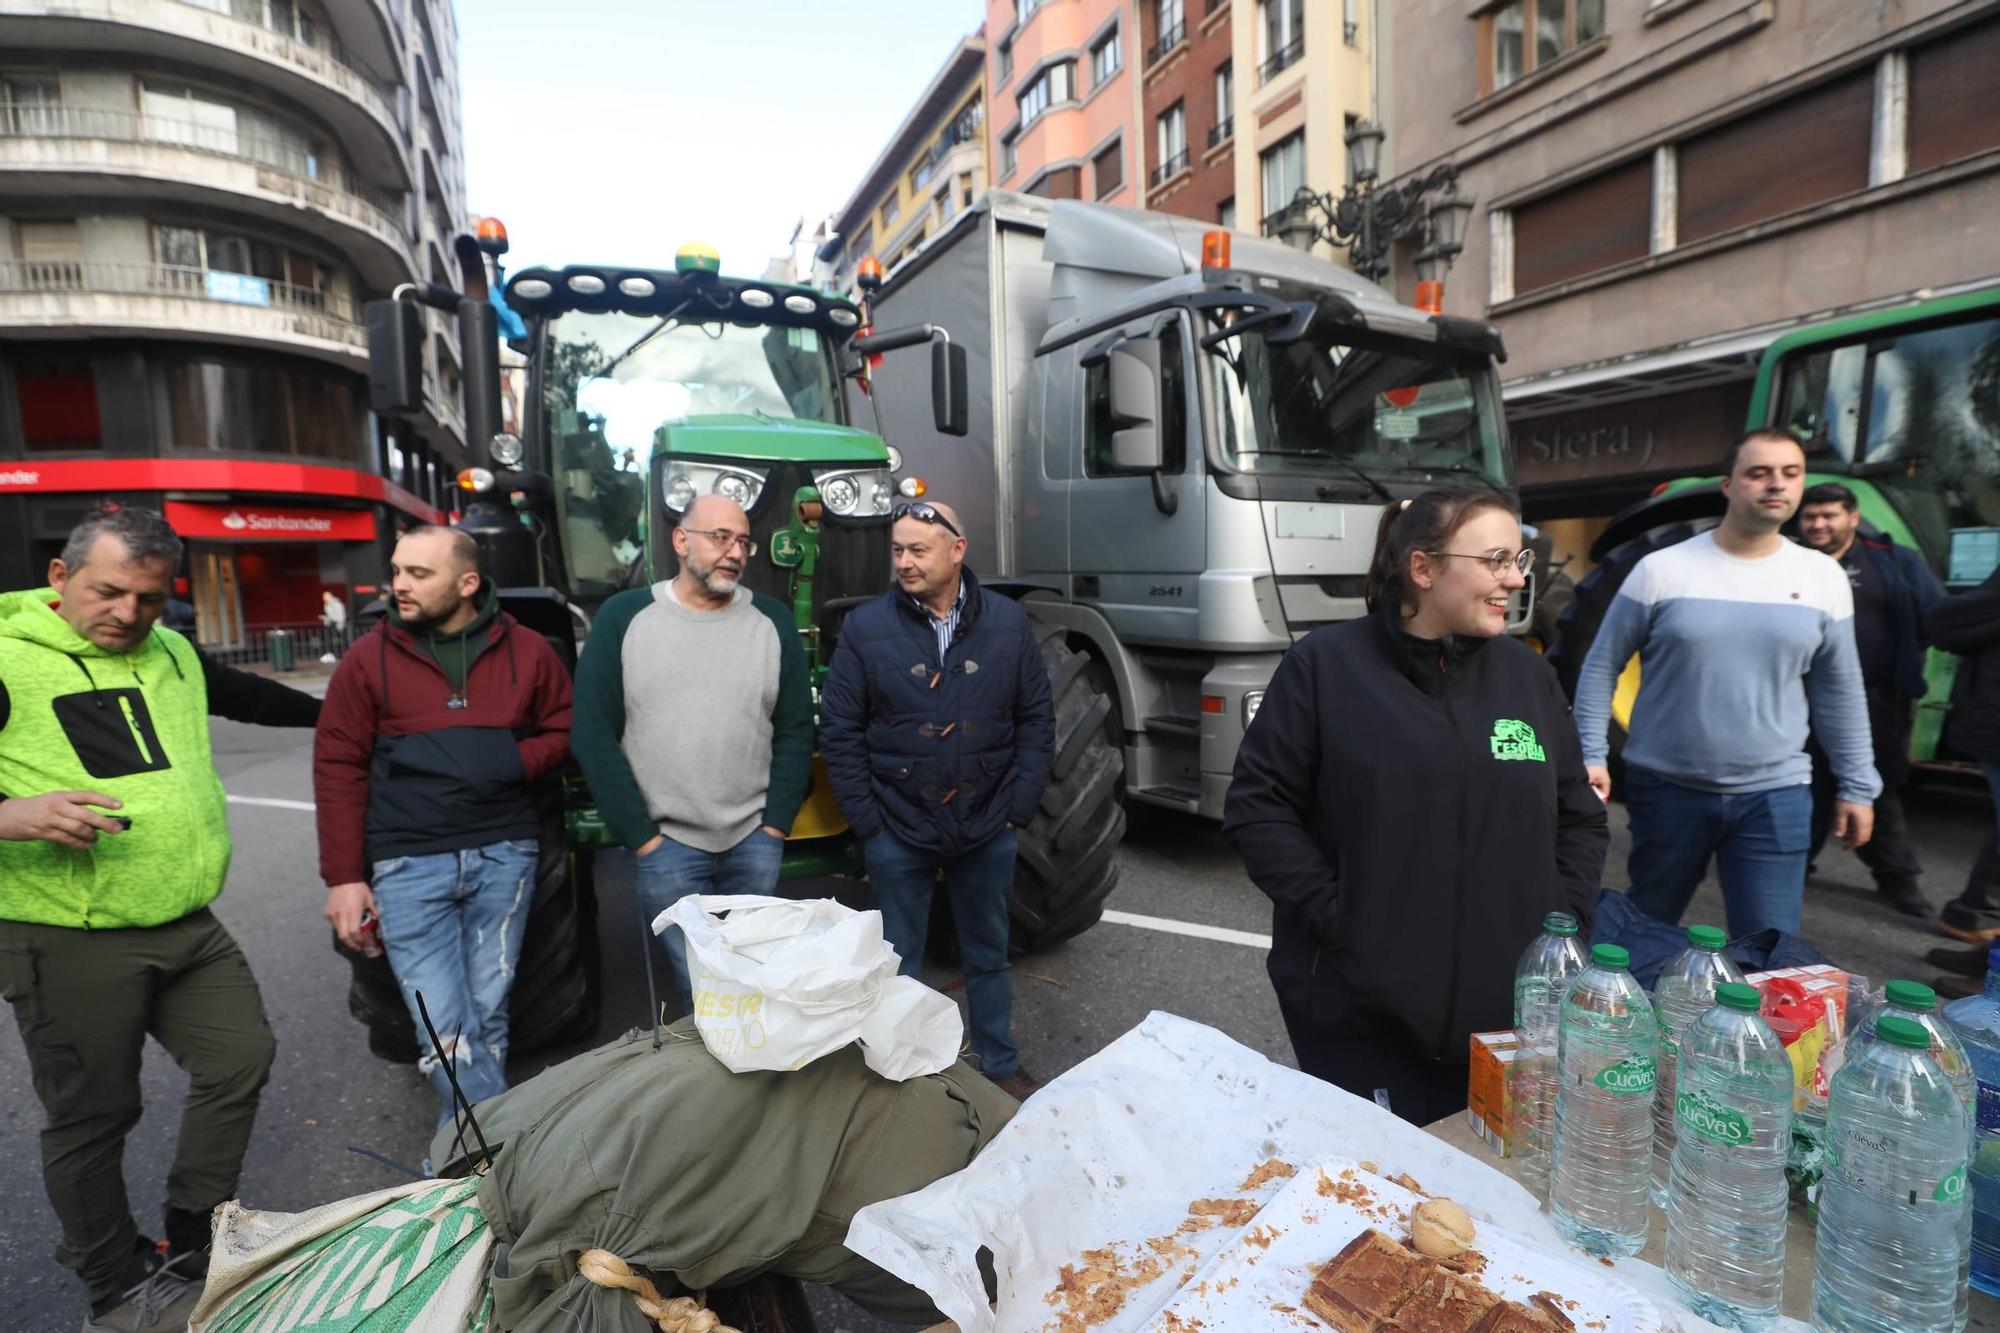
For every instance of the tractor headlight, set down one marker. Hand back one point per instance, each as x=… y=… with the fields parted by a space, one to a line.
x=857 y=492
x=684 y=481
x=507 y=449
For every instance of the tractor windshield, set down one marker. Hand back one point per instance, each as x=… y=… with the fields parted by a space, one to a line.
x=1391 y=409
x=1919 y=411
x=612 y=381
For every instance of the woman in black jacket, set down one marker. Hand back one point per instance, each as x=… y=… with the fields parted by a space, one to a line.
x=1412 y=797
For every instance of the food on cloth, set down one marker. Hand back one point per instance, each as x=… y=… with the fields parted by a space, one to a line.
x=1444 y=1302
x=1365 y=1283
x=1439 y=1229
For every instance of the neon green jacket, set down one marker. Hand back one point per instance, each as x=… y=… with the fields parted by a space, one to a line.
x=74 y=717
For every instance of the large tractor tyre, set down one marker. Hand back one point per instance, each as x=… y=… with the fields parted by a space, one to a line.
x=1590 y=601
x=556 y=981
x=1067 y=861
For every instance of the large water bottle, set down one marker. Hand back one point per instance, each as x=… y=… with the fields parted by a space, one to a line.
x=1918 y=1003
x=1726 y=1210
x=1975 y=1020
x=1540 y=980
x=1894 y=1218
x=1684 y=992
x=1599 y=1171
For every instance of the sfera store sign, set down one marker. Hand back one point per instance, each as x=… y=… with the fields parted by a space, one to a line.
x=242 y=522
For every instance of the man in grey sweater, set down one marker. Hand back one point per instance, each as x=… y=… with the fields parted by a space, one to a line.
x=694 y=723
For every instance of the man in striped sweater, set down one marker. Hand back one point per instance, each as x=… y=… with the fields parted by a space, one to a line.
x=1746 y=643
x=694 y=723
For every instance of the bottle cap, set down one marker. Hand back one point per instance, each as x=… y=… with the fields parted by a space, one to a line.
x=1902 y=1032
x=1559 y=923
x=1910 y=995
x=1707 y=937
x=1739 y=995
x=1610 y=956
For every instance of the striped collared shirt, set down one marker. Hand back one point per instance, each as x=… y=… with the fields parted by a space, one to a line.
x=945 y=627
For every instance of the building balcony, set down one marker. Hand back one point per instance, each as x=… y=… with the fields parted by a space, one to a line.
x=1222 y=132
x=91 y=298
x=1281 y=60
x=1169 y=39
x=1168 y=169
x=163 y=32
x=78 y=152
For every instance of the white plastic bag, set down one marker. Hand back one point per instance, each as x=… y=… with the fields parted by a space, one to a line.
x=780 y=982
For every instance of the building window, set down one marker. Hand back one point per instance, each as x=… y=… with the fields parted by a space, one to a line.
x=1169 y=27
x=1100 y=425
x=1225 y=104
x=1025 y=10
x=1521 y=36
x=1954 y=98
x=1776 y=160
x=1107 y=171
x=287 y=17
x=58 y=398
x=1057 y=83
x=1350 y=22
x=1172 y=128
x=1005 y=58
x=1009 y=156
x=1281 y=171
x=1107 y=57
x=178 y=114
x=1281 y=28
x=892 y=207
x=1225 y=213
x=30 y=104
x=1063 y=183
x=286 y=277
x=1593 y=224
x=257 y=406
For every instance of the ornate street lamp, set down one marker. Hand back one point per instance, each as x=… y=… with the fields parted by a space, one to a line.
x=1367 y=219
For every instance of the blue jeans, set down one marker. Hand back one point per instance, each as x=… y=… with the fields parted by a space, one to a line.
x=1758 y=839
x=452 y=923
x=980 y=883
x=673 y=870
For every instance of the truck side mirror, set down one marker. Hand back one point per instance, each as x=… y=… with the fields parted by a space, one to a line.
x=395 y=358
x=1132 y=374
x=949 y=387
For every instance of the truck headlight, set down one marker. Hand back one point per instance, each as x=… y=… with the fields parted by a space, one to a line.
x=682 y=482
x=1251 y=700
x=856 y=492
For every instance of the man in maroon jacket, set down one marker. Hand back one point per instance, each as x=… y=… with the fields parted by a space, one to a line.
x=436 y=727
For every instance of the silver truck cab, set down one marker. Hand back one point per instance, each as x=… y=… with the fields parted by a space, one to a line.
x=1185 y=461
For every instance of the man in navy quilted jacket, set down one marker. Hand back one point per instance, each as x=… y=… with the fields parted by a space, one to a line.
x=938 y=733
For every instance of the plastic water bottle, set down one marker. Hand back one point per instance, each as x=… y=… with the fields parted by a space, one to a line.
x=1726 y=1210
x=1918 y=1003
x=1975 y=1020
x=1684 y=992
x=1600 y=1172
x=1540 y=980
x=1894 y=1217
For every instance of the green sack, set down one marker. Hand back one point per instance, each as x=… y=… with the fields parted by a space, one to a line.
x=416 y=1256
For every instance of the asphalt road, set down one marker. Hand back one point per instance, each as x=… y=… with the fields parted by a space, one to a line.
x=329 y=1094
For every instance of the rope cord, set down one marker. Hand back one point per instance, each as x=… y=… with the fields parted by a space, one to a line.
x=678 y=1315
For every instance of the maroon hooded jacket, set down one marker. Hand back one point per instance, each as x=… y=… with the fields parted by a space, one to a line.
x=399 y=771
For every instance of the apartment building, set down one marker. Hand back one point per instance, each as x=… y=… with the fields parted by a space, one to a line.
x=196 y=197
x=1066 y=101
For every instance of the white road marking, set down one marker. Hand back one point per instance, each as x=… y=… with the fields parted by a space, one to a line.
x=1193 y=928
x=1165 y=925
x=274 y=803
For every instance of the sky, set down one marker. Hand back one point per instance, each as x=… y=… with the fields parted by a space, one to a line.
x=615 y=131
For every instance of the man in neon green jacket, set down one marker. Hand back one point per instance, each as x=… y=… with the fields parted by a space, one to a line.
x=114 y=839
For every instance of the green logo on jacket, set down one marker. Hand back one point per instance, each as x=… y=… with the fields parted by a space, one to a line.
x=1516 y=740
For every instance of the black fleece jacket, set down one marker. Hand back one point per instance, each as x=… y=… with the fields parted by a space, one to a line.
x=1413 y=808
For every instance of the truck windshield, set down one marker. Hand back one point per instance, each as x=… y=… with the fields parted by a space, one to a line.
x=1392 y=409
x=1930 y=427
x=611 y=381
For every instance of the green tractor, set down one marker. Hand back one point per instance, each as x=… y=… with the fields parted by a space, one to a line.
x=1902 y=406
x=642 y=389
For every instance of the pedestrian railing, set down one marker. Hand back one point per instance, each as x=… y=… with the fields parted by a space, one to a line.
x=128 y=279
x=297 y=644
x=1222 y=131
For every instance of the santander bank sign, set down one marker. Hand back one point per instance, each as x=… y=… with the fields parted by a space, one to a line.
x=240 y=522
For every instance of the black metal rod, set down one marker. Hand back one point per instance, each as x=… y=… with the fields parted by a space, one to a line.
x=459 y=1103
x=479 y=340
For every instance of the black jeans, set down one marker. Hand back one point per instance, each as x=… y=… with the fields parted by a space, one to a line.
x=1419 y=1089
x=1888 y=853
